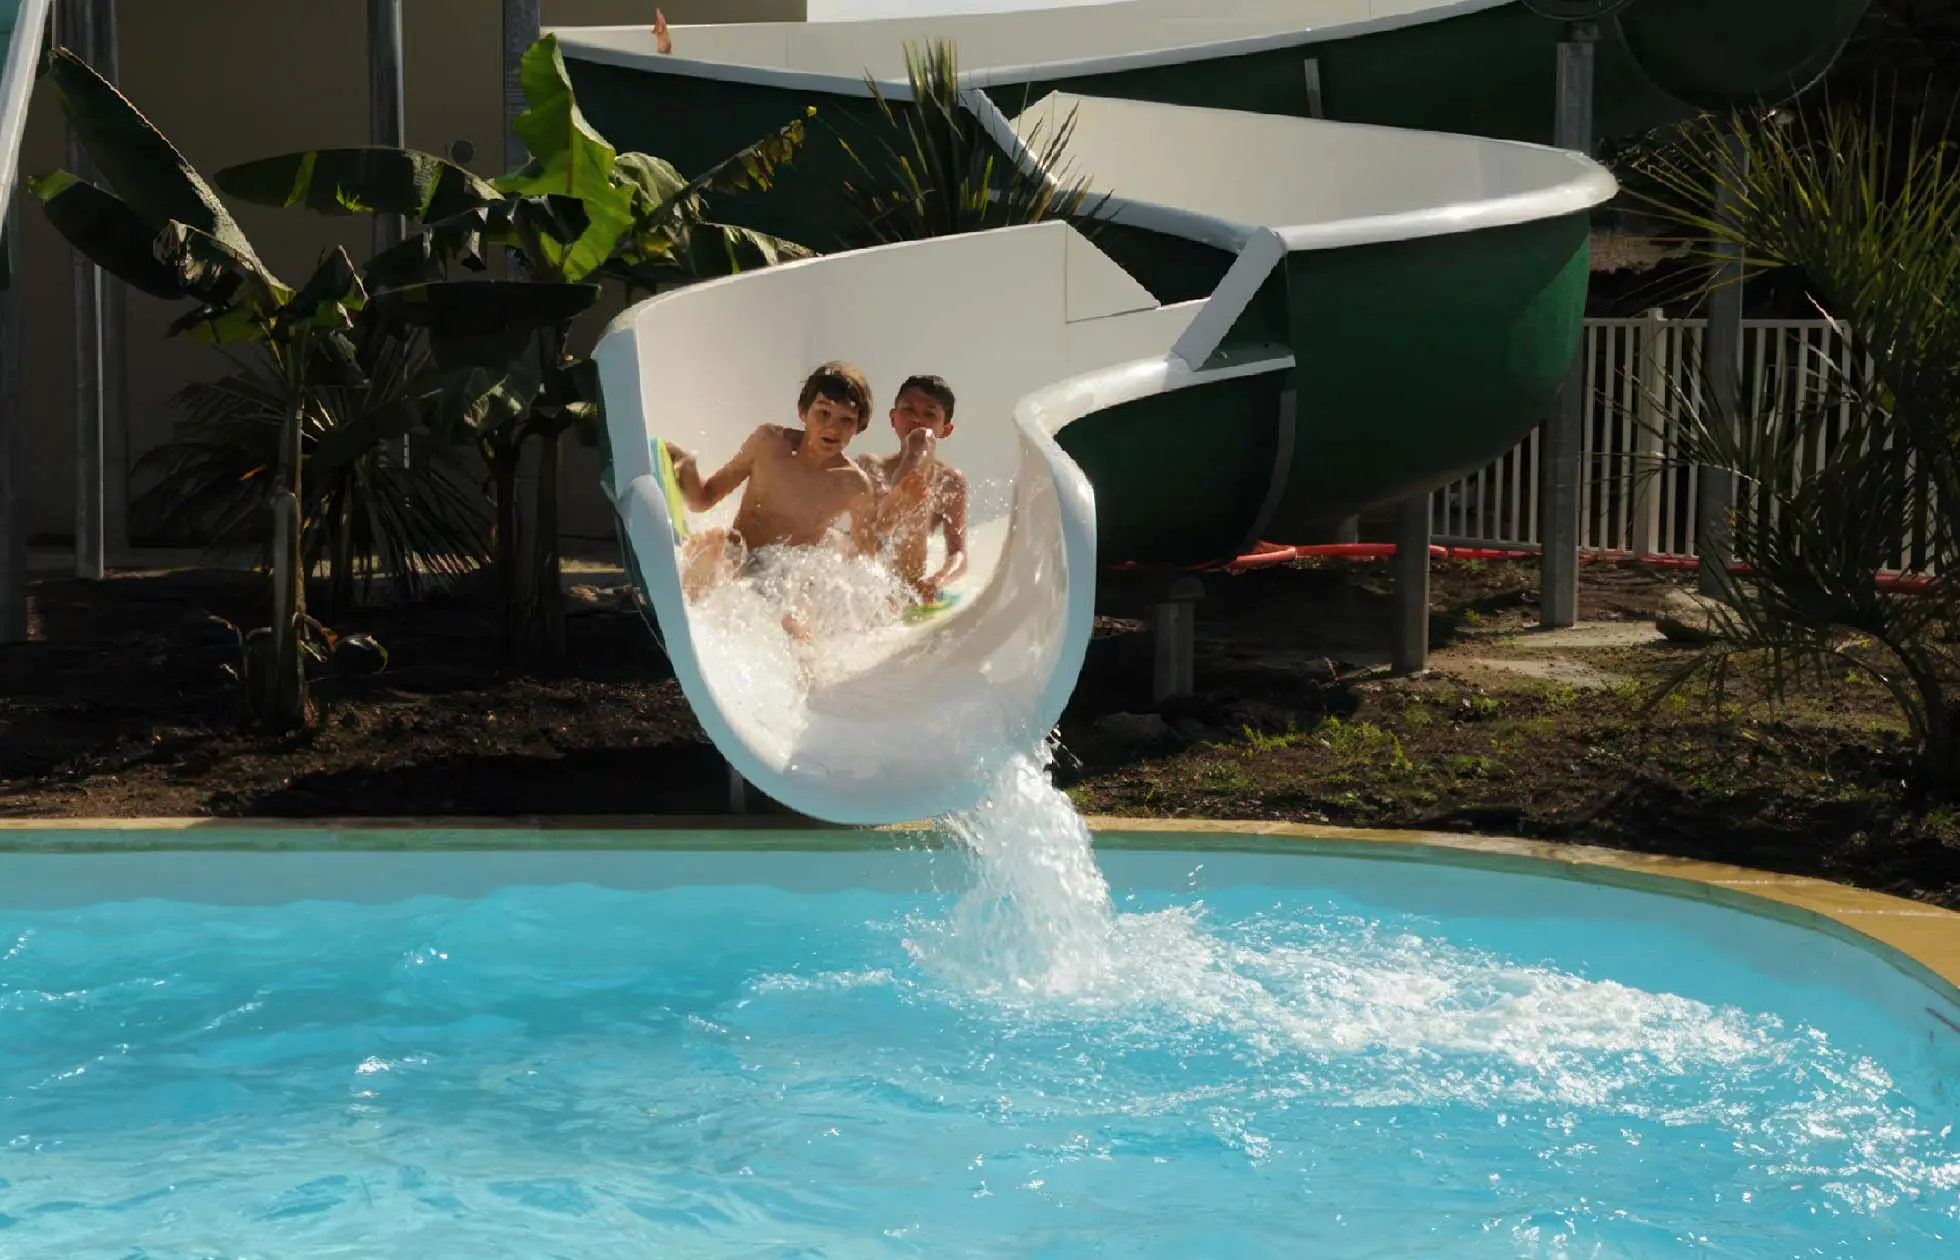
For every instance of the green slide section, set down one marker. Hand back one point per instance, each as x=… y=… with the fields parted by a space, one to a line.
x=1387 y=351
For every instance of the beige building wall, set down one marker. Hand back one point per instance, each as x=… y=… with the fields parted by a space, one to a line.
x=232 y=80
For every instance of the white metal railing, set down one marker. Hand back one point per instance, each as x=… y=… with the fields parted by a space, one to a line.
x=1635 y=496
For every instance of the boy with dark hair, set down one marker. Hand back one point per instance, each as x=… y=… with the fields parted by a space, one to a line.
x=799 y=483
x=918 y=493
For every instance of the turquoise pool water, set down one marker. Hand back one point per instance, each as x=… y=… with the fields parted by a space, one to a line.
x=792 y=1055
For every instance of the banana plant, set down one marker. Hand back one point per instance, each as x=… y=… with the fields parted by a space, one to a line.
x=578 y=213
x=160 y=228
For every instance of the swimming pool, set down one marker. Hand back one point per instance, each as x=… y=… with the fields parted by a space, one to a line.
x=652 y=1048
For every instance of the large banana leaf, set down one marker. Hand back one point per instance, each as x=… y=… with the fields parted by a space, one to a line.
x=752 y=167
x=330 y=296
x=107 y=231
x=568 y=156
x=237 y=299
x=370 y=180
x=135 y=159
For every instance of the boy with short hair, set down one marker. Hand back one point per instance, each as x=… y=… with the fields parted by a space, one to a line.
x=918 y=493
x=798 y=483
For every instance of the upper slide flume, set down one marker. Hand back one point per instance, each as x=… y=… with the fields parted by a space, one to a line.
x=1274 y=320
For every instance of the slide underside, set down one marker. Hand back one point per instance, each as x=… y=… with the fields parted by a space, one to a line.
x=1273 y=320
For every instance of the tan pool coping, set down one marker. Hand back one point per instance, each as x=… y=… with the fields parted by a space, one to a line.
x=1925 y=938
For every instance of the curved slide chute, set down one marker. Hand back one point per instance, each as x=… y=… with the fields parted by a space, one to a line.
x=1275 y=319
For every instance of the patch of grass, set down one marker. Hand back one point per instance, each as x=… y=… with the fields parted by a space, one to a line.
x=1360 y=746
x=1474 y=767
x=1560 y=695
x=1226 y=776
x=1261 y=742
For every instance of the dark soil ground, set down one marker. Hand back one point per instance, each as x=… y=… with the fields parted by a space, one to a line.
x=122 y=706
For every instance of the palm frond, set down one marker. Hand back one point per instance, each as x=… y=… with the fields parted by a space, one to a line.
x=418 y=520
x=930 y=168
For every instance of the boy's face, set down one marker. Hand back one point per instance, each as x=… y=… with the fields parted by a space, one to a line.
x=830 y=424
x=916 y=409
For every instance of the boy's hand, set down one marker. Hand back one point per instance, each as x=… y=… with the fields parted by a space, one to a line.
x=678 y=455
x=662 y=41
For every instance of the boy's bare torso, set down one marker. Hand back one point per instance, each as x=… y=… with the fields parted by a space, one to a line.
x=792 y=500
x=913 y=526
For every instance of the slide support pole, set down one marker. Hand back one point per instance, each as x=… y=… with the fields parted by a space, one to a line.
x=1715 y=495
x=1559 y=477
x=1411 y=631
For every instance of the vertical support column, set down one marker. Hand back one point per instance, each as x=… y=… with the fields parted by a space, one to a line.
x=13 y=512
x=521 y=28
x=387 y=126
x=113 y=339
x=1411 y=632
x=738 y=791
x=385 y=116
x=1722 y=363
x=80 y=35
x=1559 y=478
x=1656 y=381
x=1175 y=639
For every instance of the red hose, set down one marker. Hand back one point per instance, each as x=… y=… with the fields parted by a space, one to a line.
x=1270 y=554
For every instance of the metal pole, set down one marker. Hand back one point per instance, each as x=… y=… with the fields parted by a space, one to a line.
x=113 y=347
x=87 y=287
x=1411 y=647
x=13 y=512
x=1722 y=354
x=521 y=29
x=386 y=127
x=1559 y=478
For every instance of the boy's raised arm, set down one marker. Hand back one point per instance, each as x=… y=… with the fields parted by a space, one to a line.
x=953 y=520
x=701 y=495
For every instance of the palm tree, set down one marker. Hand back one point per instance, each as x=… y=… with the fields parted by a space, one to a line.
x=928 y=167
x=1867 y=208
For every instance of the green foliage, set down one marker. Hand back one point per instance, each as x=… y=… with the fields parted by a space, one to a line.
x=363 y=509
x=576 y=213
x=932 y=169
x=160 y=227
x=1869 y=210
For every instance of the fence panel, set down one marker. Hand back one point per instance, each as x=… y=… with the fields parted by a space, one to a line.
x=1642 y=381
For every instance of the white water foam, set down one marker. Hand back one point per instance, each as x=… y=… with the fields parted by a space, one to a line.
x=850 y=609
x=1384 y=1016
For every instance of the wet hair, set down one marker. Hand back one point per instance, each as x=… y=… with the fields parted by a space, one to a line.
x=840 y=383
x=933 y=387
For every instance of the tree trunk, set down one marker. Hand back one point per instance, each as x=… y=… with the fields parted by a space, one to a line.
x=340 y=591
x=548 y=604
x=503 y=466
x=285 y=697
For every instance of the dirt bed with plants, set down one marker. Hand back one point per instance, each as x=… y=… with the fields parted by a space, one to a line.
x=124 y=705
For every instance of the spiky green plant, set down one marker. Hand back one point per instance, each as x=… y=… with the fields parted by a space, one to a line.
x=371 y=513
x=929 y=168
x=1868 y=208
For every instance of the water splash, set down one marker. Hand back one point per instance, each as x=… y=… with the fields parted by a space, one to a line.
x=1038 y=920
x=848 y=609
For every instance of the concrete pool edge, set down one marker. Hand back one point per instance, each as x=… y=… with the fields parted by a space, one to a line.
x=1922 y=940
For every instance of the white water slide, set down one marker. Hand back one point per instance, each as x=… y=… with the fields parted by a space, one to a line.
x=1036 y=329
x=23 y=23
